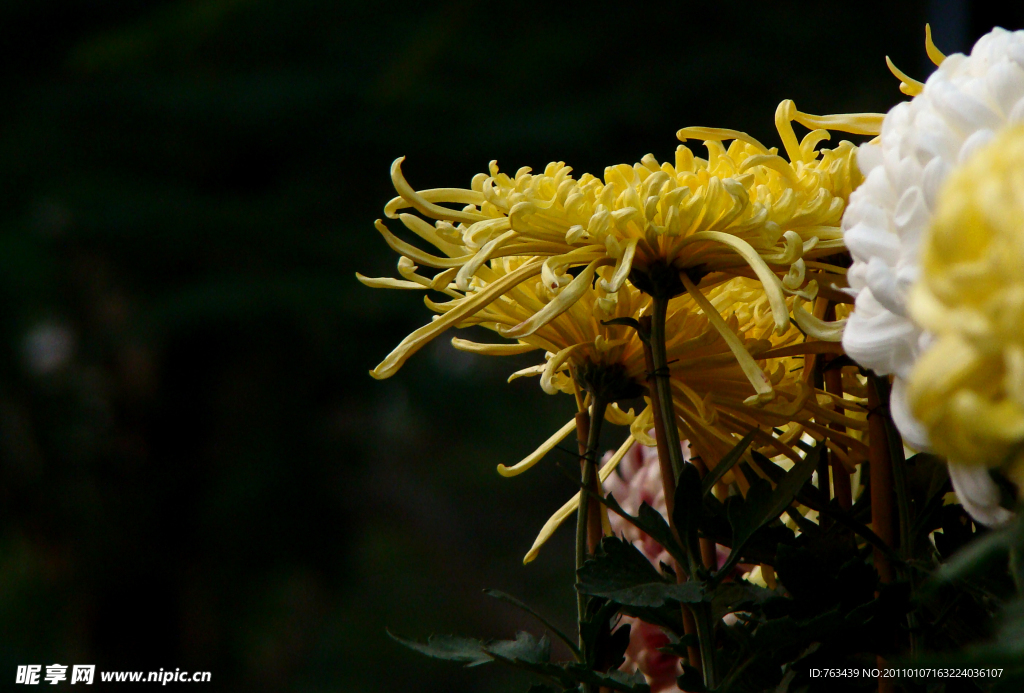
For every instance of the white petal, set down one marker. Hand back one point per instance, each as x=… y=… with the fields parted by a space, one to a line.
x=913 y=431
x=978 y=494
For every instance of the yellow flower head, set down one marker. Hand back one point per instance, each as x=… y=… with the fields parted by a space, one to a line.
x=968 y=388
x=727 y=361
x=743 y=211
x=723 y=352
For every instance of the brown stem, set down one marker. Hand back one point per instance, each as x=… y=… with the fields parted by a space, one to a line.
x=708 y=550
x=882 y=503
x=881 y=498
x=840 y=476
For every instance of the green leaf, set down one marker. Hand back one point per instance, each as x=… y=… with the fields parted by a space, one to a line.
x=452 y=648
x=649 y=521
x=731 y=597
x=509 y=599
x=763 y=504
x=727 y=462
x=688 y=510
x=1005 y=649
x=980 y=553
x=621 y=573
x=680 y=648
x=525 y=648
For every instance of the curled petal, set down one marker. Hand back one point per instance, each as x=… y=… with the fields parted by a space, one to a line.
x=417 y=339
x=420 y=203
x=623 y=266
x=414 y=253
x=771 y=283
x=569 y=508
x=538 y=454
x=468 y=269
x=554 y=364
x=817 y=328
x=492 y=349
x=386 y=282
x=558 y=305
x=762 y=385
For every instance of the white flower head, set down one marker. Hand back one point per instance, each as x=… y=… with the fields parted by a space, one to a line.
x=963 y=104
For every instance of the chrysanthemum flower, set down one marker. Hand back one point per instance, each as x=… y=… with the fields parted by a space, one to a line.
x=716 y=372
x=968 y=388
x=961 y=107
x=743 y=211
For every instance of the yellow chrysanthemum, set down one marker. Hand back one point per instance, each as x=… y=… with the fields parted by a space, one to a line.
x=744 y=211
x=968 y=387
x=715 y=343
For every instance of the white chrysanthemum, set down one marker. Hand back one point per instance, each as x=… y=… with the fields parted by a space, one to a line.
x=961 y=107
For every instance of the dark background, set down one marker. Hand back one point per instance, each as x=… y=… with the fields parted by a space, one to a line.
x=196 y=470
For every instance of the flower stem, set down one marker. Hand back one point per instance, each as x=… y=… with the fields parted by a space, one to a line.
x=667 y=435
x=586 y=538
x=693 y=652
x=706 y=637
x=663 y=386
x=840 y=477
x=881 y=495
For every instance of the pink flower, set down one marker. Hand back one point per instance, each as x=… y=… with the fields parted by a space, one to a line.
x=639 y=481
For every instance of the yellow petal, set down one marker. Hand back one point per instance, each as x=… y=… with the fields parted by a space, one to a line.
x=908 y=85
x=415 y=341
x=757 y=378
x=718 y=134
x=492 y=349
x=771 y=283
x=421 y=204
x=569 y=508
x=816 y=328
x=934 y=54
x=538 y=454
x=414 y=253
x=386 y=283
x=559 y=304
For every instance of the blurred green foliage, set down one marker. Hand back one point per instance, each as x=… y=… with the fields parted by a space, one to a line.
x=195 y=469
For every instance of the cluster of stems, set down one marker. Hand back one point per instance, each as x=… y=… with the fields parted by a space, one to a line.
x=890 y=504
x=889 y=501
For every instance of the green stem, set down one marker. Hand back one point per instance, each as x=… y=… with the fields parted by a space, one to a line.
x=663 y=386
x=706 y=637
x=667 y=423
x=899 y=483
x=588 y=478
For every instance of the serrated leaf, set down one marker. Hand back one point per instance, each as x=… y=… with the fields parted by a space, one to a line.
x=509 y=599
x=452 y=648
x=649 y=521
x=731 y=597
x=763 y=504
x=525 y=648
x=622 y=574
